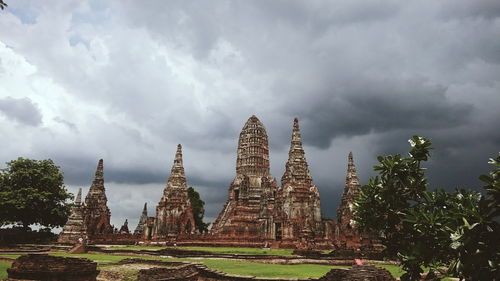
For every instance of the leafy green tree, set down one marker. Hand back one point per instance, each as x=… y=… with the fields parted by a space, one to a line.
x=476 y=237
x=430 y=228
x=198 y=209
x=32 y=191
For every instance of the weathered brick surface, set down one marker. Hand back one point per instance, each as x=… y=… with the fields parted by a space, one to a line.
x=139 y=229
x=124 y=228
x=96 y=212
x=356 y=273
x=50 y=268
x=349 y=241
x=249 y=210
x=299 y=197
x=74 y=228
x=174 y=213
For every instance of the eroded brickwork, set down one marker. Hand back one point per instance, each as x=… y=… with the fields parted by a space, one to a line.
x=174 y=213
x=299 y=197
x=351 y=189
x=96 y=212
x=124 y=228
x=348 y=237
x=139 y=229
x=249 y=210
x=74 y=228
x=50 y=268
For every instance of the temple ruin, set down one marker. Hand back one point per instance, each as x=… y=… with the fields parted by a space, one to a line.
x=249 y=210
x=258 y=212
x=174 y=213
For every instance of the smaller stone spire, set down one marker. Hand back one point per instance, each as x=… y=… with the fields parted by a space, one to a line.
x=124 y=228
x=96 y=212
x=352 y=185
x=75 y=226
x=142 y=221
x=296 y=168
x=351 y=189
x=78 y=200
x=177 y=176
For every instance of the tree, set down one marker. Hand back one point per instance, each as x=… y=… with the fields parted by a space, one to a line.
x=476 y=238
x=3 y=4
x=430 y=228
x=198 y=209
x=32 y=191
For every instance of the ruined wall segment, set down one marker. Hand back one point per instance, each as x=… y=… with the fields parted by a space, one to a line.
x=249 y=210
x=74 y=229
x=299 y=196
x=174 y=213
x=96 y=212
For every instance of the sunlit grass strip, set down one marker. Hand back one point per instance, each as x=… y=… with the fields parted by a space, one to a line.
x=3 y=269
x=10 y=256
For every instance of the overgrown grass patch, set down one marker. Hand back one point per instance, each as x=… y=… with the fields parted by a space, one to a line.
x=10 y=256
x=266 y=270
x=395 y=270
x=3 y=269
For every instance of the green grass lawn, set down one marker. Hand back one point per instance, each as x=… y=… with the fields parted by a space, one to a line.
x=267 y=270
x=3 y=269
x=228 y=266
x=10 y=256
x=395 y=270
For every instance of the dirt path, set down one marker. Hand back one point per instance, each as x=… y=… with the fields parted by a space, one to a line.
x=125 y=272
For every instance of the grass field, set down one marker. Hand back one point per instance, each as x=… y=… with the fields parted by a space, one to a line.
x=3 y=269
x=9 y=256
x=228 y=266
x=267 y=270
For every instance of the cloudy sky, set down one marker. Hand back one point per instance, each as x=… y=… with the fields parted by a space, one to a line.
x=127 y=81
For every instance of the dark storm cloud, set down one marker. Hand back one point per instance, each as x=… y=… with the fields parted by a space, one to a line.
x=378 y=107
x=21 y=110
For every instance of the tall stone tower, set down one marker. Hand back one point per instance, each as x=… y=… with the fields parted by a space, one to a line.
x=352 y=188
x=248 y=212
x=74 y=228
x=299 y=196
x=174 y=213
x=96 y=212
x=142 y=221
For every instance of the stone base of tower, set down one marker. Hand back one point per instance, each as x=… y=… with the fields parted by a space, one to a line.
x=71 y=237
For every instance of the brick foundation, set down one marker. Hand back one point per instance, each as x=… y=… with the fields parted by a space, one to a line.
x=49 y=268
